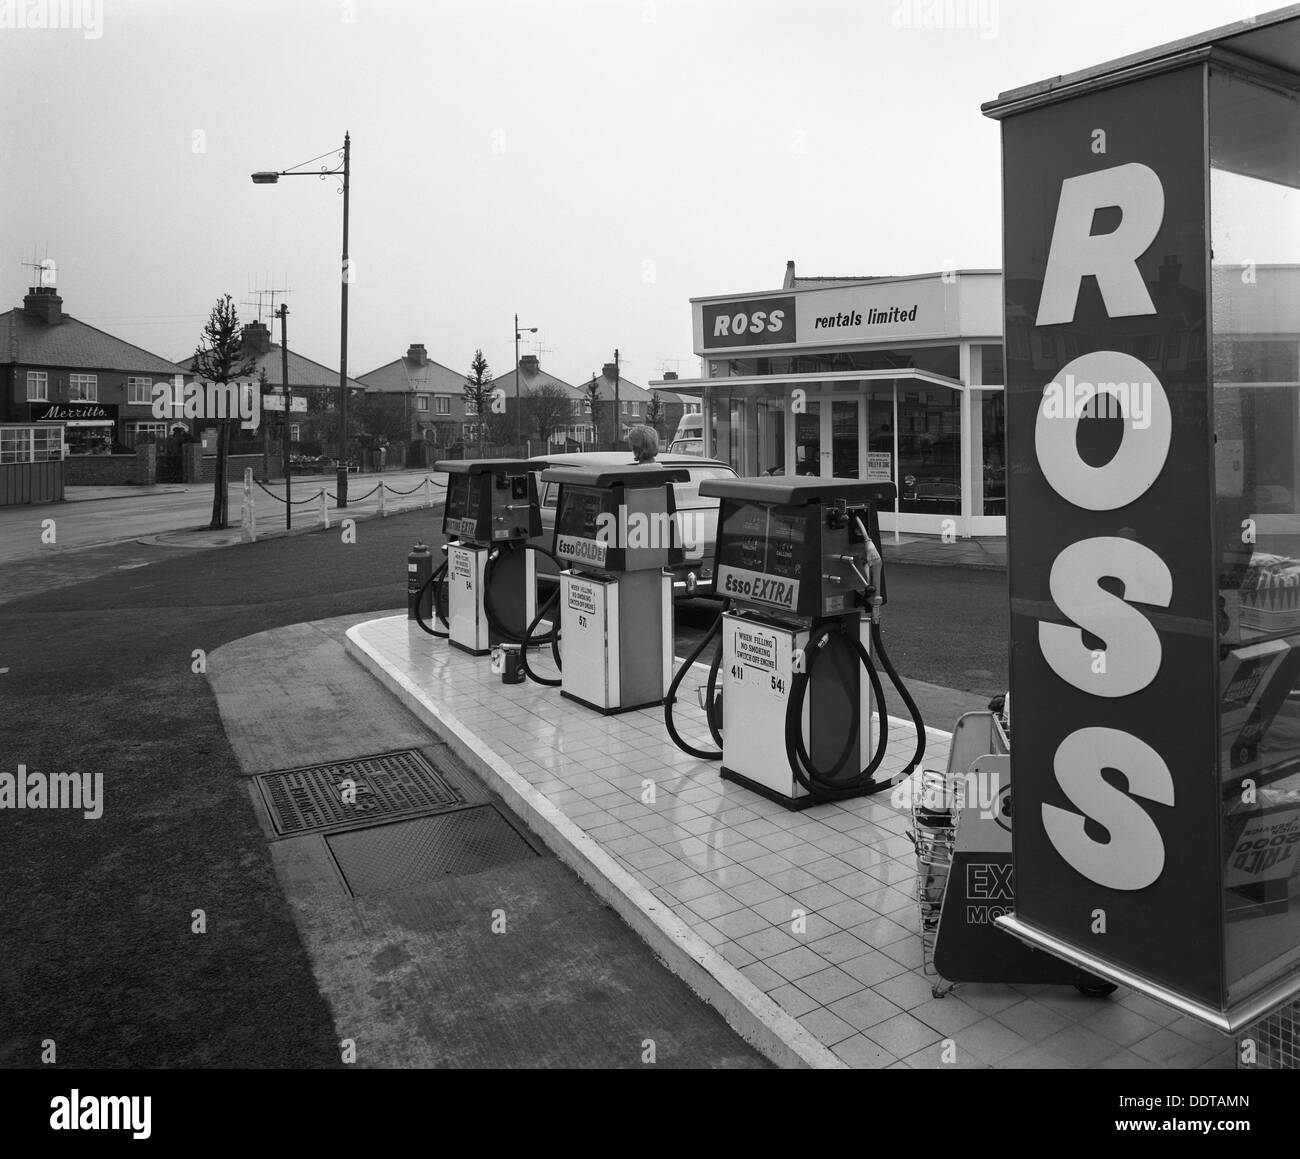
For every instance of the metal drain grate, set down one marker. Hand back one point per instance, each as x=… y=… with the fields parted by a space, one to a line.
x=388 y=785
x=429 y=849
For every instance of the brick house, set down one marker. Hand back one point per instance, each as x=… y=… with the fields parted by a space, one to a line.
x=56 y=369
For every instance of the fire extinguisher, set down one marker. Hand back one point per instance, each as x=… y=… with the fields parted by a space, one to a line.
x=419 y=567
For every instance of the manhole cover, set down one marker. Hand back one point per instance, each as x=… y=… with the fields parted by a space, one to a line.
x=387 y=858
x=358 y=792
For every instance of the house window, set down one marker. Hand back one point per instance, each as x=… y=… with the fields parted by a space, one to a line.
x=469 y=430
x=139 y=390
x=38 y=386
x=31 y=444
x=422 y=402
x=295 y=432
x=626 y=405
x=471 y=407
x=137 y=433
x=83 y=388
x=442 y=405
x=575 y=406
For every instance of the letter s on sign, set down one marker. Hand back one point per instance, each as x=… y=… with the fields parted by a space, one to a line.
x=775 y=321
x=1135 y=854
x=756 y=320
x=1132 y=644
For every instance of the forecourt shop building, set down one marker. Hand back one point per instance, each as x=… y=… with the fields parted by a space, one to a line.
x=864 y=378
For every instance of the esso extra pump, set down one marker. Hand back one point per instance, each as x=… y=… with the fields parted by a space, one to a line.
x=799 y=559
x=615 y=535
x=491 y=512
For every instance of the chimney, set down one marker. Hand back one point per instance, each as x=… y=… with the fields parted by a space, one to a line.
x=789 y=276
x=255 y=339
x=416 y=353
x=670 y=376
x=610 y=371
x=43 y=302
x=528 y=364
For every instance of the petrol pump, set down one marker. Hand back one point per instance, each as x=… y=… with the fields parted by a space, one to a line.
x=491 y=512
x=615 y=536
x=800 y=562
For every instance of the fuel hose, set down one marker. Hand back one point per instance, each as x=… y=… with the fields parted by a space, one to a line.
x=552 y=637
x=710 y=706
x=822 y=783
x=440 y=615
x=494 y=620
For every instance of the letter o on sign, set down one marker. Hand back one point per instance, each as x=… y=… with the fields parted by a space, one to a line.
x=1142 y=452
x=739 y=323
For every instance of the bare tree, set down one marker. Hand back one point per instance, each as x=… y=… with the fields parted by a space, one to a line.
x=219 y=358
x=548 y=409
x=654 y=412
x=592 y=392
x=480 y=395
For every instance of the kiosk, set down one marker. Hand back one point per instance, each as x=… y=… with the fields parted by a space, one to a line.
x=617 y=532
x=1153 y=439
x=799 y=560
x=491 y=512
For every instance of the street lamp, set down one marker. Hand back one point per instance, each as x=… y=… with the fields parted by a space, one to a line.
x=268 y=177
x=519 y=408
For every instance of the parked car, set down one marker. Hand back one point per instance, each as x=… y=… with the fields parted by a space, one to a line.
x=700 y=554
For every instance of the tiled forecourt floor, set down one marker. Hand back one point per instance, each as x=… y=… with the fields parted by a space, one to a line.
x=735 y=868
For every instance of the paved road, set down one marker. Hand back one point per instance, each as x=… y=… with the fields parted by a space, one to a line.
x=101 y=677
x=77 y=525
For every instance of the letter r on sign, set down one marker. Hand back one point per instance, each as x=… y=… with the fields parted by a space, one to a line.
x=1109 y=257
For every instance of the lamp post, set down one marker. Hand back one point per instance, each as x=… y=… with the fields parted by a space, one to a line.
x=519 y=406
x=286 y=442
x=268 y=177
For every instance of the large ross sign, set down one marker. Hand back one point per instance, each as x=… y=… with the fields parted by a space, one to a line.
x=1110 y=514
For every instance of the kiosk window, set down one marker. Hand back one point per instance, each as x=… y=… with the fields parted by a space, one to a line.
x=579 y=513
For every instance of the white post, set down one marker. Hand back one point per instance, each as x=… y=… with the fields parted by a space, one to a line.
x=247 y=517
x=324 y=509
x=383 y=490
x=428 y=491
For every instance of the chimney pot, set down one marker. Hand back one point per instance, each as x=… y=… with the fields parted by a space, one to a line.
x=610 y=371
x=670 y=376
x=528 y=364
x=416 y=353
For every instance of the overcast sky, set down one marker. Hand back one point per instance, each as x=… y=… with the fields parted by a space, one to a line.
x=589 y=165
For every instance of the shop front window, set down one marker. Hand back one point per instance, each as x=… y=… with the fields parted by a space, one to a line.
x=943 y=360
x=844 y=438
x=929 y=451
x=808 y=440
x=993 y=422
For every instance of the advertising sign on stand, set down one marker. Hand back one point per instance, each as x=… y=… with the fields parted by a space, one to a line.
x=1110 y=513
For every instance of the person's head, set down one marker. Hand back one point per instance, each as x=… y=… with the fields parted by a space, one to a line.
x=644 y=442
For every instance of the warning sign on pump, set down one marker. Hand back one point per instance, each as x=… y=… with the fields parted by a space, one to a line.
x=756 y=650
x=460 y=563
x=582 y=598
